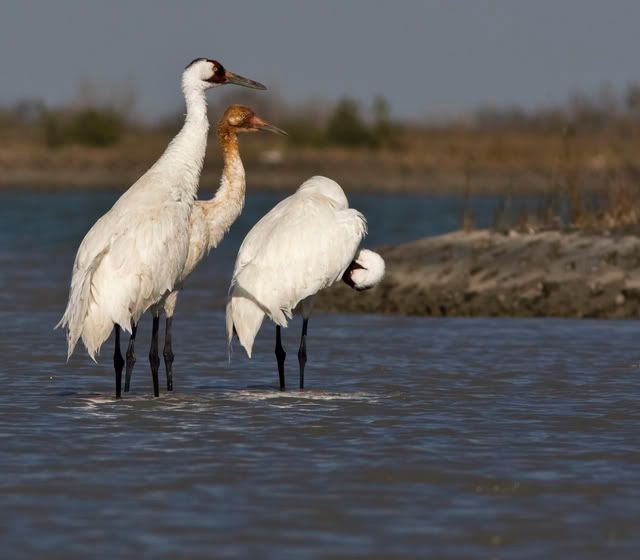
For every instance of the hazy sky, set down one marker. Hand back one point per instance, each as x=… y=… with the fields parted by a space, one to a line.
x=425 y=56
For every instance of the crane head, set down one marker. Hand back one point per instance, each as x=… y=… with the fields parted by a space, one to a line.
x=207 y=73
x=243 y=119
x=365 y=271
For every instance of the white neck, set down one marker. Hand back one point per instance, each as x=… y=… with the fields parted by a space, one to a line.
x=182 y=160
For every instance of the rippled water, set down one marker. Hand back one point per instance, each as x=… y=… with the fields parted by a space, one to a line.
x=416 y=437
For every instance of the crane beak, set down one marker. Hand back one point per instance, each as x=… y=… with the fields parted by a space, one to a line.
x=231 y=78
x=258 y=124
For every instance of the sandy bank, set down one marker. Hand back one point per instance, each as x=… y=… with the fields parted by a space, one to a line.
x=483 y=273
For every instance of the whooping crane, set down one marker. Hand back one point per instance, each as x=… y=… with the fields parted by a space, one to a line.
x=209 y=221
x=304 y=244
x=135 y=253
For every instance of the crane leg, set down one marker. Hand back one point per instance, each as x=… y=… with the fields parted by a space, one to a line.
x=167 y=353
x=302 y=352
x=118 y=362
x=154 y=358
x=130 y=357
x=280 y=356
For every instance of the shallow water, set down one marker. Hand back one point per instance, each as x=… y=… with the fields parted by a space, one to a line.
x=415 y=437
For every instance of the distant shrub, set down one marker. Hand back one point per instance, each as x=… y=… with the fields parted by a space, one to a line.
x=89 y=127
x=385 y=130
x=55 y=134
x=304 y=132
x=346 y=127
x=97 y=127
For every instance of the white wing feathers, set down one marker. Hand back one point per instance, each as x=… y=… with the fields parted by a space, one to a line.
x=128 y=260
x=304 y=244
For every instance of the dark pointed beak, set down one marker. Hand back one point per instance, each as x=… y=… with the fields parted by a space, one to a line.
x=231 y=78
x=259 y=124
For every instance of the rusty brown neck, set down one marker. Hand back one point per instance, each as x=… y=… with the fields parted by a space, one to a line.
x=223 y=209
x=228 y=140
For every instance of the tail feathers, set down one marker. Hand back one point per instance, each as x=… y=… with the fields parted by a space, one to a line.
x=281 y=317
x=87 y=318
x=96 y=330
x=243 y=318
x=77 y=307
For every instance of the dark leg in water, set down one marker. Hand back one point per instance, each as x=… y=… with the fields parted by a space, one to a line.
x=302 y=352
x=130 y=357
x=167 y=352
x=118 y=362
x=154 y=358
x=280 y=356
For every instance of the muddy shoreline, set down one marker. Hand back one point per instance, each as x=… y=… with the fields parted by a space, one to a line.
x=492 y=274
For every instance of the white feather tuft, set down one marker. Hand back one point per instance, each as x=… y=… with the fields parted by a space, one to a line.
x=372 y=271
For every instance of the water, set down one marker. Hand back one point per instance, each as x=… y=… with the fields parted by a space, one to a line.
x=416 y=437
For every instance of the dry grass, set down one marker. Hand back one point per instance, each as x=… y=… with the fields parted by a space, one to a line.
x=424 y=159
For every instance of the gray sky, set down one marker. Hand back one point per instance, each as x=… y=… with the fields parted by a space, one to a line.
x=426 y=57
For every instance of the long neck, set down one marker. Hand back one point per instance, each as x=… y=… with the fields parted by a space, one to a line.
x=182 y=160
x=225 y=207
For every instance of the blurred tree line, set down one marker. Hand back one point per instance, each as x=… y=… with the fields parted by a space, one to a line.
x=605 y=108
x=95 y=121
x=345 y=126
x=90 y=120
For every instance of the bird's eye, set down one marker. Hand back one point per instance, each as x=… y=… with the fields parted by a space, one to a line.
x=217 y=73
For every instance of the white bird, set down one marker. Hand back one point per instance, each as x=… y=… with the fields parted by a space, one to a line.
x=208 y=223
x=135 y=253
x=304 y=244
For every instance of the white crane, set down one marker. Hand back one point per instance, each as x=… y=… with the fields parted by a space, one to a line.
x=208 y=223
x=134 y=254
x=304 y=244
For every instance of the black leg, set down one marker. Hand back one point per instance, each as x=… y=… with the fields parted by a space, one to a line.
x=167 y=352
x=154 y=358
x=118 y=362
x=302 y=352
x=131 y=357
x=280 y=356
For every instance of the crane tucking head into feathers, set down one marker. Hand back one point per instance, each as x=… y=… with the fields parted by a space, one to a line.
x=365 y=271
x=206 y=73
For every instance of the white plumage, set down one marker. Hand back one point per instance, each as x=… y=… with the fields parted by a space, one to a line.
x=135 y=253
x=366 y=270
x=209 y=220
x=128 y=260
x=303 y=245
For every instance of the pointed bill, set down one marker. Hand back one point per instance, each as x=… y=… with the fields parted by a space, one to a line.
x=260 y=124
x=231 y=78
